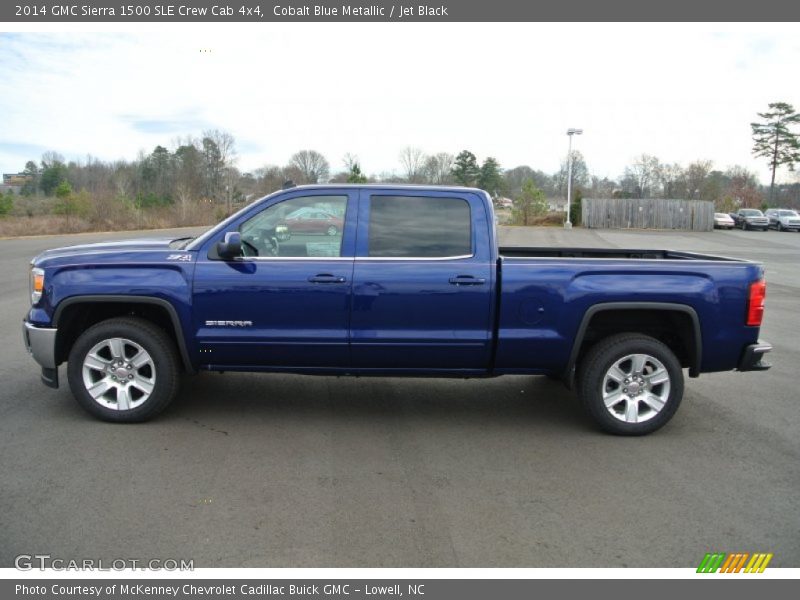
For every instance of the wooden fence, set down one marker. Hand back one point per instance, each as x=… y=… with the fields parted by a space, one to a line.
x=632 y=213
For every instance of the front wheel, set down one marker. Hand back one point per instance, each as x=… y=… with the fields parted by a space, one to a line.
x=123 y=370
x=630 y=384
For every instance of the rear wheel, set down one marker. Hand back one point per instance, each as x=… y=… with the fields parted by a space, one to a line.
x=630 y=384
x=123 y=370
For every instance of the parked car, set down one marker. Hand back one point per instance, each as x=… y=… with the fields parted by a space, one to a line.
x=750 y=218
x=417 y=286
x=783 y=219
x=723 y=221
x=310 y=220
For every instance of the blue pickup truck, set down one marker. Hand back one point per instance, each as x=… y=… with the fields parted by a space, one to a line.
x=388 y=281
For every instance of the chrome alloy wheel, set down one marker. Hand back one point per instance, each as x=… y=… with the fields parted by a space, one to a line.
x=119 y=374
x=636 y=388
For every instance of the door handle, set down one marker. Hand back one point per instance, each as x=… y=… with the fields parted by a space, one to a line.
x=326 y=278
x=467 y=280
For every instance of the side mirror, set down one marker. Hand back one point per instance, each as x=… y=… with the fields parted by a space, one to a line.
x=231 y=246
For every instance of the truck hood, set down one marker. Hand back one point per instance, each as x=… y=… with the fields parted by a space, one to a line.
x=110 y=247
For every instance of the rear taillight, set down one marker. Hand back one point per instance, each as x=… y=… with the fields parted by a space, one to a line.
x=755 y=302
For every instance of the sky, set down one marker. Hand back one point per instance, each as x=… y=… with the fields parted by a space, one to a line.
x=508 y=90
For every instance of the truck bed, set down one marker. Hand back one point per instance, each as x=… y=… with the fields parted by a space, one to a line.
x=649 y=254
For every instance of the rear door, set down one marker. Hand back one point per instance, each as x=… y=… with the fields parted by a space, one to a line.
x=422 y=282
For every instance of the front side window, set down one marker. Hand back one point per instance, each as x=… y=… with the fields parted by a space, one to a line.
x=419 y=227
x=306 y=226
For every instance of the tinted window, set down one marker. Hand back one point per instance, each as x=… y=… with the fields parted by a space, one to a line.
x=418 y=226
x=303 y=226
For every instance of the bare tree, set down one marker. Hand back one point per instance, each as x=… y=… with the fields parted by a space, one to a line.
x=580 y=174
x=643 y=174
x=670 y=176
x=310 y=166
x=350 y=160
x=413 y=161
x=696 y=175
x=437 y=168
x=226 y=145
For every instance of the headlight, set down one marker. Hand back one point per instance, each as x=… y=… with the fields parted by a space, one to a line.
x=37 y=284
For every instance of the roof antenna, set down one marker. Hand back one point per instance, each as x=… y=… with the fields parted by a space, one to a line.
x=288 y=184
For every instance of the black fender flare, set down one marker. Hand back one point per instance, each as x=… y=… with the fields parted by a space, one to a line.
x=695 y=359
x=160 y=302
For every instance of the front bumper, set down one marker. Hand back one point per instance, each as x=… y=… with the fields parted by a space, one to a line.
x=41 y=344
x=753 y=355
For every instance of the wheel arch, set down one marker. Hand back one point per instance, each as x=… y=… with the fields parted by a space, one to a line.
x=78 y=313
x=691 y=337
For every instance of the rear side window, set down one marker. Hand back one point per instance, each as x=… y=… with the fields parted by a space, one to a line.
x=419 y=227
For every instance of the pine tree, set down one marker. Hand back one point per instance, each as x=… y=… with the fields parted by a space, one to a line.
x=490 y=177
x=465 y=169
x=356 y=176
x=774 y=139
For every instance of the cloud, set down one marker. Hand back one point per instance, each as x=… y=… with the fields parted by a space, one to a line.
x=370 y=91
x=22 y=149
x=166 y=125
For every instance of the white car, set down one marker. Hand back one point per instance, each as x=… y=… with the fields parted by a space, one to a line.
x=723 y=221
x=783 y=219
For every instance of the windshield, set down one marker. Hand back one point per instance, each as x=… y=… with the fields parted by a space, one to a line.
x=751 y=212
x=787 y=213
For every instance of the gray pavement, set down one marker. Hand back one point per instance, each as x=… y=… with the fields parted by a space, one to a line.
x=282 y=470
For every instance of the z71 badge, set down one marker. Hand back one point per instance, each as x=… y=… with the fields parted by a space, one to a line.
x=180 y=257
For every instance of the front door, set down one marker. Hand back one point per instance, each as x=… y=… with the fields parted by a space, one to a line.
x=286 y=302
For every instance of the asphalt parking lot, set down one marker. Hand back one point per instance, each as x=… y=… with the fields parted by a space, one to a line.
x=281 y=470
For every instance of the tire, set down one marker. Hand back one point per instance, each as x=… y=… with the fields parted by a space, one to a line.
x=147 y=389
x=652 y=406
x=332 y=230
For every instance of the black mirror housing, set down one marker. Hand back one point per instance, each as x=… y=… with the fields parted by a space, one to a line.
x=231 y=246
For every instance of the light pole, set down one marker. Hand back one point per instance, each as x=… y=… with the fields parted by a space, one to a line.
x=570 y=133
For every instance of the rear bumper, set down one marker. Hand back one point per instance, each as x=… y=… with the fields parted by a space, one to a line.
x=753 y=355
x=41 y=344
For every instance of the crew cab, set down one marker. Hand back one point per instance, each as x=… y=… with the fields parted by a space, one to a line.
x=750 y=218
x=412 y=283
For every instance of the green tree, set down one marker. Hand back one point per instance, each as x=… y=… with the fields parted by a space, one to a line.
x=465 y=169
x=52 y=176
x=530 y=203
x=70 y=204
x=355 y=175
x=31 y=171
x=576 y=209
x=6 y=203
x=773 y=139
x=490 y=177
